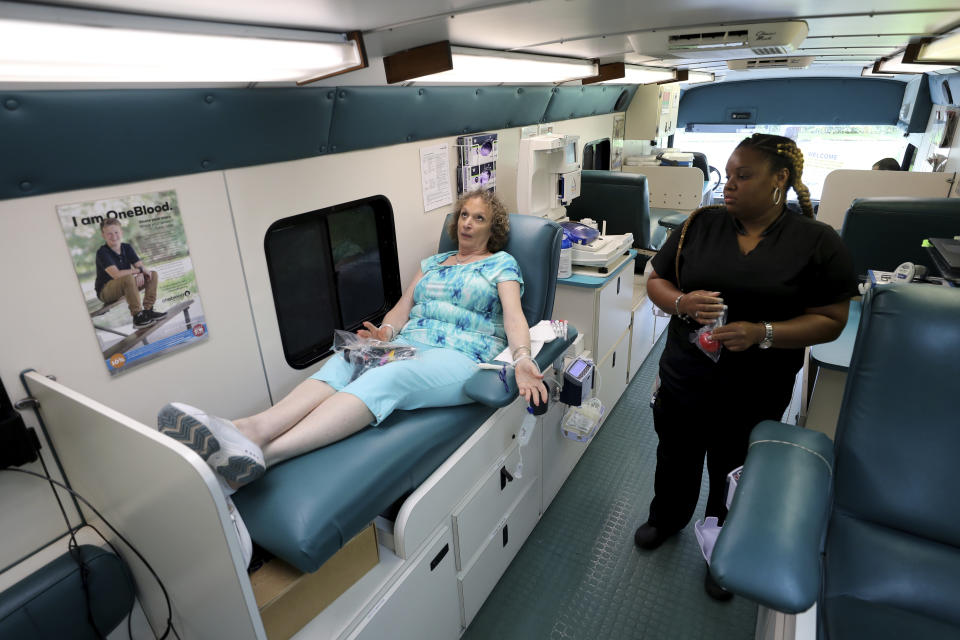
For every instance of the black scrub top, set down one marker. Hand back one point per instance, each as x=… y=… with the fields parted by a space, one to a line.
x=799 y=263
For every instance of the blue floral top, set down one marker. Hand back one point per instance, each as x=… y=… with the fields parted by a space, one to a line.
x=458 y=306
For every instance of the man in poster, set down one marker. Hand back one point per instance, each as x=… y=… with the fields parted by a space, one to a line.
x=121 y=274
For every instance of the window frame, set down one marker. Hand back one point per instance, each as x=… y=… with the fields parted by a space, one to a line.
x=389 y=271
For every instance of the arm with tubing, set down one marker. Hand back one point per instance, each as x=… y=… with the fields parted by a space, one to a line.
x=518 y=335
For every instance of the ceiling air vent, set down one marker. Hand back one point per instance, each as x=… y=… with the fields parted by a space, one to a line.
x=725 y=42
x=769 y=51
x=792 y=62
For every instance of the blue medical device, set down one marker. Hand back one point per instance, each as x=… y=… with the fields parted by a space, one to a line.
x=579 y=233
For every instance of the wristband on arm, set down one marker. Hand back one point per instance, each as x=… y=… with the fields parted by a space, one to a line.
x=393 y=331
x=526 y=356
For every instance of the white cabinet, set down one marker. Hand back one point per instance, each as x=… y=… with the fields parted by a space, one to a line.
x=613 y=311
x=652 y=113
x=560 y=455
x=423 y=603
x=598 y=308
x=493 y=496
x=614 y=371
x=481 y=575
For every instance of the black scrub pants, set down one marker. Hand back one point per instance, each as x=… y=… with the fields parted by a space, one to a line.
x=714 y=422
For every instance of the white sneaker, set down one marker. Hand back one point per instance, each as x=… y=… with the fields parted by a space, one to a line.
x=228 y=452
x=246 y=544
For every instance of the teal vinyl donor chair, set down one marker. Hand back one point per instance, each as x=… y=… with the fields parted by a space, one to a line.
x=366 y=474
x=620 y=199
x=868 y=527
x=882 y=233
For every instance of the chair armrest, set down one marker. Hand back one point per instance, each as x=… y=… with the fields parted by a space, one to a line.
x=769 y=547
x=673 y=221
x=486 y=387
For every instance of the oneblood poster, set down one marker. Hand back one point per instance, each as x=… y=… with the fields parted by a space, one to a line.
x=133 y=264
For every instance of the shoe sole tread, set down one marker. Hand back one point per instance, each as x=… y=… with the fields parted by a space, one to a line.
x=188 y=430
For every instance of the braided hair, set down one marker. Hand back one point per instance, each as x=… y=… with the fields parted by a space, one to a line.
x=783 y=153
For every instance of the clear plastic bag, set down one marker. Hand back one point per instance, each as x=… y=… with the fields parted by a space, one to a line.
x=367 y=353
x=702 y=337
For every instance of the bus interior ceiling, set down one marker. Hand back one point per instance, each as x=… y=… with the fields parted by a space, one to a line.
x=242 y=154
x=843 y=38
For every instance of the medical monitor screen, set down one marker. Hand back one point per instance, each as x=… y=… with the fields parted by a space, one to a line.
x=571 y=153
x=331 y=269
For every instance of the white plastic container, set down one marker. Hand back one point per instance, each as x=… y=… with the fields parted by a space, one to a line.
x=565 y=268
x=677 y=159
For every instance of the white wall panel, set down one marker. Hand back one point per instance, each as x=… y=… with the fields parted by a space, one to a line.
x=261 y=195
x=44 y=325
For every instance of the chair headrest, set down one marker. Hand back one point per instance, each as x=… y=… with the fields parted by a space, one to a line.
x=535 y=244
x=882 y=233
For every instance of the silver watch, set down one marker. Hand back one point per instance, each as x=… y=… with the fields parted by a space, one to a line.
x=767 y=341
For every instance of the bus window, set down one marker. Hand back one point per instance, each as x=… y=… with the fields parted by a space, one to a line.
x=331 y=269
x=824 y=148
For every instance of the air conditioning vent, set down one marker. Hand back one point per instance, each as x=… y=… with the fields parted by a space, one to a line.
x=727 y=42
x=769 y=51
x=794 y=62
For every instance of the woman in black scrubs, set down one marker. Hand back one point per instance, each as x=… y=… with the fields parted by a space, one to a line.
x=786 y=280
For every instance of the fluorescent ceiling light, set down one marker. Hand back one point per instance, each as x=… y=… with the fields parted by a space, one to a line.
x=896 y=65
x=48 y=52
x=482 y=66
x=644 y=75
x=944 y=50
x=867 y=72
x=696 y=77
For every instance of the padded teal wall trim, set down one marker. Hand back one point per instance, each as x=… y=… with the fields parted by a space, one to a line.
x=59 y=140
x=794 y=101
x=367 y=117
x=579 y=102
x=54 y=141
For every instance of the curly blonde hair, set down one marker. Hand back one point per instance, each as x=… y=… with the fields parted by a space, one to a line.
x=499 y=220
x=783 y=153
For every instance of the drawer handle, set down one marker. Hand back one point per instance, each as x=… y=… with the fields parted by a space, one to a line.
x=439 y=557
x=506 y=535
x=618 y=285
x=614 y=362
x=505 y=477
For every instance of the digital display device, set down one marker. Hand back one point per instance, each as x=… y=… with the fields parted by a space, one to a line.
x=571 y=153
x=577 y=368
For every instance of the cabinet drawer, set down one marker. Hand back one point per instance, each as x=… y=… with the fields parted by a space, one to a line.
x=613 y=373
x=489 y=502
x=614 y=310
x=422 y=604
x=499 y=549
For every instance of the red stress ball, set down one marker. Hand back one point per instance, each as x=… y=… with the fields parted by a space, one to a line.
x=708 y=343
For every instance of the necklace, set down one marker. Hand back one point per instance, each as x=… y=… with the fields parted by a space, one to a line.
x=465 y=260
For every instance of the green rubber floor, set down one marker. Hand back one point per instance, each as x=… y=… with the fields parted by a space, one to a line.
x=579 y=575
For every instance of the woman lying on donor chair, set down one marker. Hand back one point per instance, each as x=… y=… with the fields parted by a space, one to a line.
x=462 y=308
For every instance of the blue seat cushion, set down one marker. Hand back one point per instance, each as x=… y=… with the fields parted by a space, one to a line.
x=885 y=583
x=50 y=603
x=305 y=509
